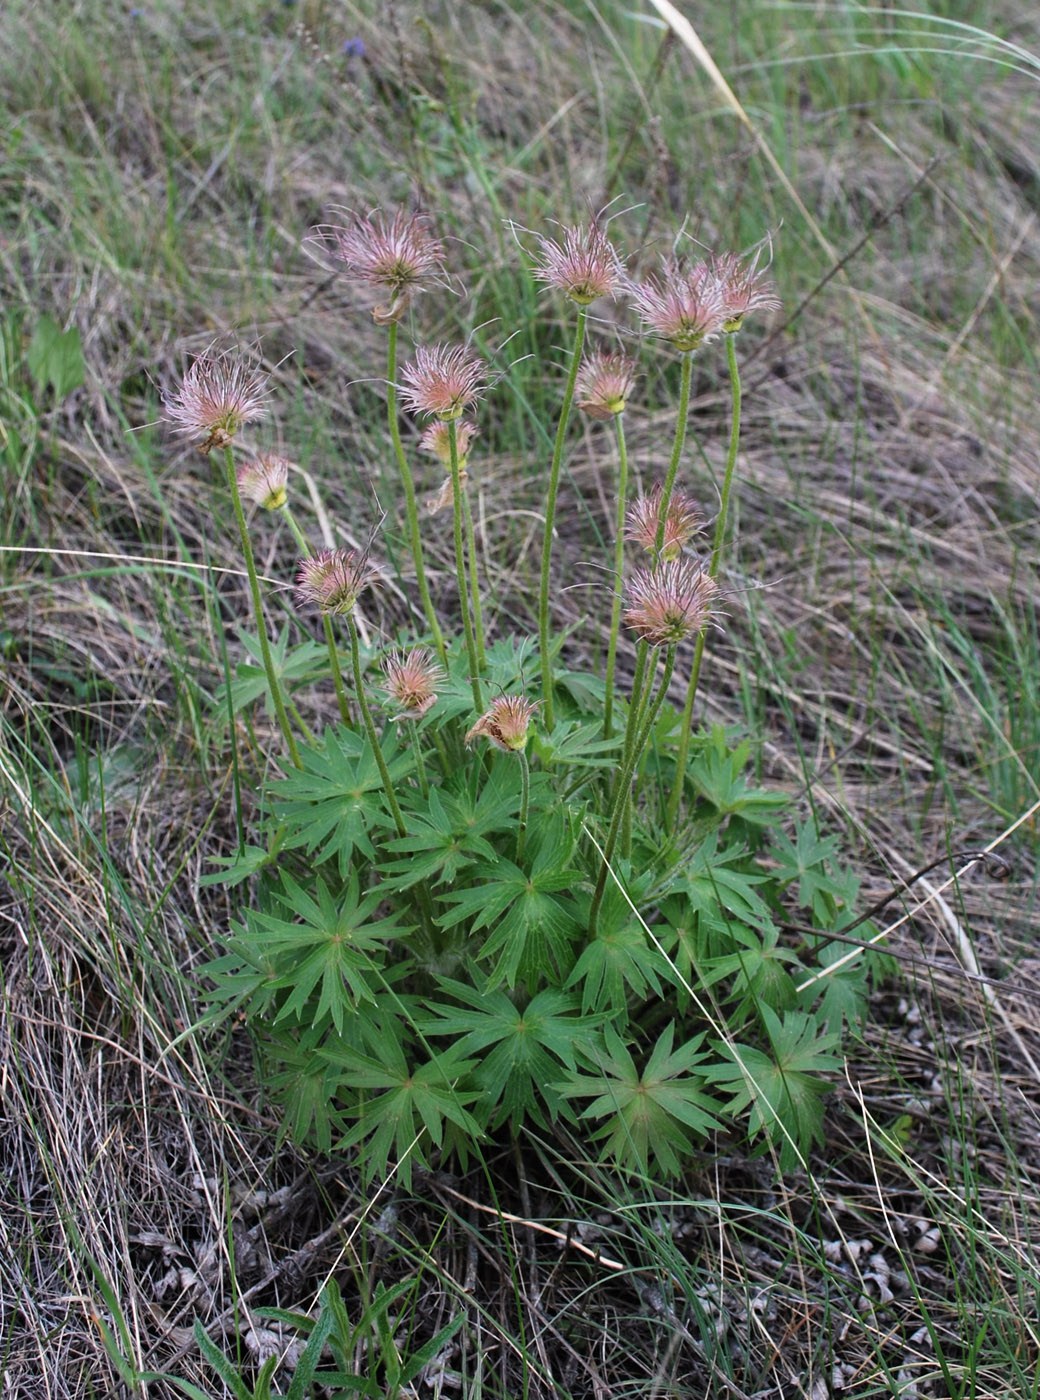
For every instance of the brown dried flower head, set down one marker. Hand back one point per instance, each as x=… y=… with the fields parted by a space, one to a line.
x=604 y=383
x=333 y=579
x=436 y=440
x=443 y=380
x=216 y=396
x=412 y=680
x=744 y=288
x=681 y=522
x=400 y=255
x=265 y=481
x=684 y=305
x=667 y=604
x=584 y=266
x=505 y=723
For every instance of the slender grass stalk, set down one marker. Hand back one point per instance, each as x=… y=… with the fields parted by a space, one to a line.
x=678 y=443
x=621 y=797
x=258 y=610
x=303 y=544
x=460 y=568
x=370 y=728
x=544 y=649
x=619 y=567
x=714 y=564
x=525 y=802
x=410 y=506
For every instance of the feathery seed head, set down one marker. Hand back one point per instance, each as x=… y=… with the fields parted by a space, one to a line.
x=584 y=266
x=681 y=522
x=684 y=304
x=667 y=604
x=412 y=680
x=744 y=289
x=332 y=580
x=604 y=383
x=400 y=254
x=216 y=396
x=265 y=480
x=443 y=380
x=505 y=723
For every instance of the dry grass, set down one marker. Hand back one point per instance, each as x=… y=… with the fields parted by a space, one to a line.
x=154 y=190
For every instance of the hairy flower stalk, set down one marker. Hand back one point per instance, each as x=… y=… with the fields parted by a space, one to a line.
x=584 y=267
x=686 y=306
x=602 y=387
x=303 y=544
x=744 y=289
x=411 y=509
x=443 y=382
x=332 y=581
x=457 y=470
x=714 y=564
x=401 y=257
x=622 y=793
x=258 y=609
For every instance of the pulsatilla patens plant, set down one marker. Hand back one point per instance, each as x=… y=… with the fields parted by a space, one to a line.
x=499 y=891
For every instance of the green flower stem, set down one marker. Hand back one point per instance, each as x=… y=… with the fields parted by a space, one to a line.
x=410 y=507
x=635 y=700
x=678 y=444
x=258 y=610
x=303 y=544
x=619 y=568
x=370 y=729
x=544 y=649
x=474 y=579
x=652 y=710
x=460 y=568
x=420 y=767
x=471 y=545
x=714 y=565
x=525 y=802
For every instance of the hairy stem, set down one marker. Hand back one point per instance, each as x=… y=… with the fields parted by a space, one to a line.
x=714 y=565
x=460 y=568
x=678 y=443
x=258 y=610
x=525 y=802
x=545 y=651
x=330 y=637
x=370 y=729
x=619 y=567
x=651 y=710
x=410 y=507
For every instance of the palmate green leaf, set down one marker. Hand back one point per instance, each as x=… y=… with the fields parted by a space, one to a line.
x=303 y=1083
x=333 y=946
x=720 y=888
x=845 y=994
x=717 y=775
x=533 y=922
x=293 y=666
x=783 y=1089
x=758 y=971
x=657 y=1114
x=805 y=861
x=440 y=843
x=620 y=961
x=532 y=1043
x=405 y=1107
x=578 y=746
x=333 y=804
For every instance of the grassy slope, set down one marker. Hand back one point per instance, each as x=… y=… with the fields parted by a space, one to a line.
x=157 y=175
